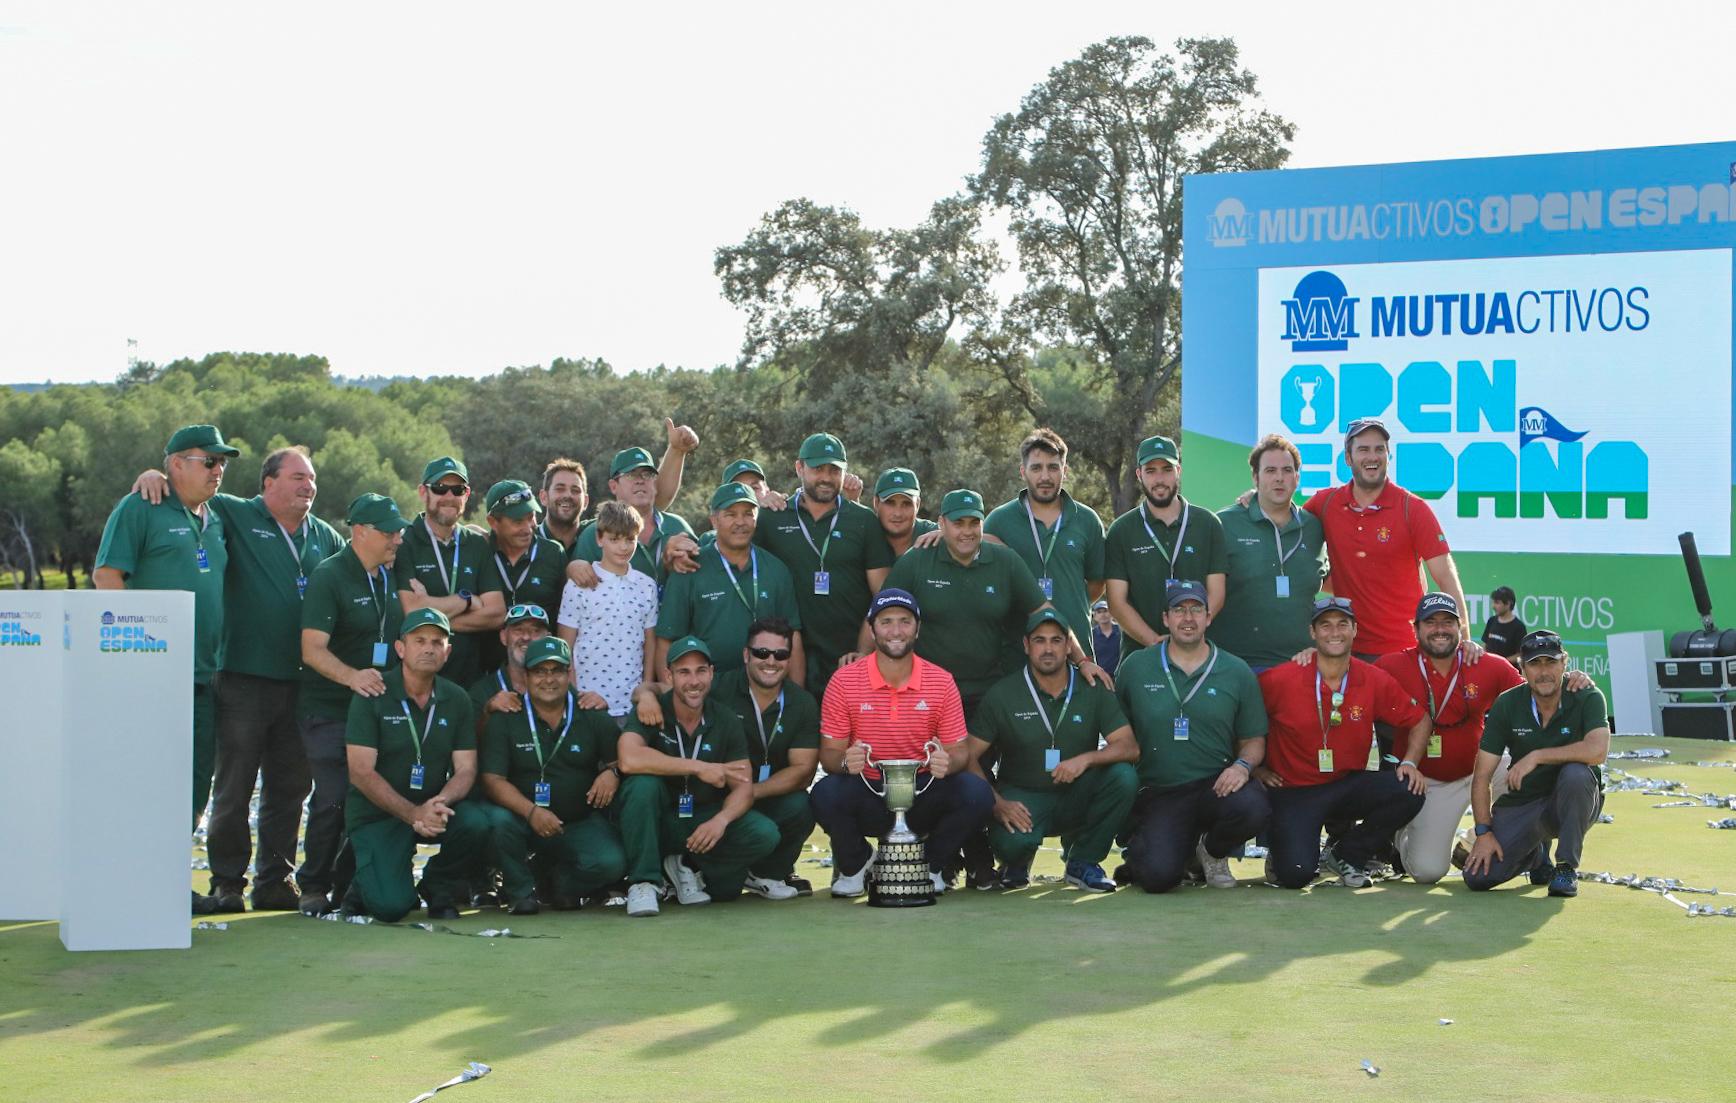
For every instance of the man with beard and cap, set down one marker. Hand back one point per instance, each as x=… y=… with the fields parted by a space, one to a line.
x=1377 y=533
x=530 y=568
x=1059 y=539
x=890 y=705
x=447 y=565
x=686 y=804
x=1557 y=739
x=1162 y=538
x=897 y=503
x=1320 y=728
x=633 y=481
x=1200 y=721
x=547 y=768
x=177 y=544
x=1065 y=761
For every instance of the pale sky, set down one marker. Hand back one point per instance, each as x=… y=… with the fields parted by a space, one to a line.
x=428 y=189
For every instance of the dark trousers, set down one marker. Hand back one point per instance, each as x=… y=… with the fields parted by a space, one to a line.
x=257 y=739
x=1167 y=823
x=385 y=862
x=204 y=745
x=328 y=762
x=950 y=809
x=1524 y=830
x=1372 y=805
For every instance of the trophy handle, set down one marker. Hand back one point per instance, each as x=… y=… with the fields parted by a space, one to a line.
x=864 y=775
x=929 y=748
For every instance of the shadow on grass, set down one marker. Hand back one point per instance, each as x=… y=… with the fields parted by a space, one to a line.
x=976 y=972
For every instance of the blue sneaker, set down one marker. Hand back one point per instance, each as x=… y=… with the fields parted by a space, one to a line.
x=1542 y=870
x=1015 y=877
x=1091 y=878
x=1565 y=881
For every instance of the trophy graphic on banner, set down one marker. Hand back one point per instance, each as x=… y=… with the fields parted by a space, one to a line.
x=900 y=877
x=1308 y=419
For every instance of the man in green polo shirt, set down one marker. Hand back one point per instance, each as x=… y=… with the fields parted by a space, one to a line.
x=273 y=542
x=1163 y=537
x=1059 y=539
x=530 y=568
x=503 y=688
x=549 y=768
x=178 y=545
x=736 y=583
x=686 y=804
x=412 y=761
x=349 y=619
x=1557 y=739
x=897 y=503
x=1200 y=720
x=633 y=480
x=448 y=565
x=1276 y=557
x=1045 y=722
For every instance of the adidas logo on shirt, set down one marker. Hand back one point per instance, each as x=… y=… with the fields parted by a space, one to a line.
x=921 y=705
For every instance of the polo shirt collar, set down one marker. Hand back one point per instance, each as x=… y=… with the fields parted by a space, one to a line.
x=1257 y=515
x=1390 y=497
x=878 y=681
x=1145 y=511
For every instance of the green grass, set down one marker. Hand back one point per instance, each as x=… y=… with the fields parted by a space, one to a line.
x=1043 y=994
x=52 y=579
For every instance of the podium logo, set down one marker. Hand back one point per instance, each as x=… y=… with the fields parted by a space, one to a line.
x=126 y=635
x=1321 y=315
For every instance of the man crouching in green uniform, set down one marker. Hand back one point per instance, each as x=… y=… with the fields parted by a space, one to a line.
x=412 y=758
x=689 y=787
x=1045 y=721
x=547 y=767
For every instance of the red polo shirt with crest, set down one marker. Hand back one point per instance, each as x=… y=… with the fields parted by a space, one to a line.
x=1299 y=724
x=1460 y=698
x=1376 y=551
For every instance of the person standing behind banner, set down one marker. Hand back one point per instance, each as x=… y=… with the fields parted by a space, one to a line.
x=1164 y=537
x=1105 y=636
x=1378 y=534
x=349 y=621
x=1277 y=559
x=1504 y=631
x=178 y=545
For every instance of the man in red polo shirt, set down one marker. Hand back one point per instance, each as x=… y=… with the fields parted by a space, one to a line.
x=1321 y=719
x=889 y=704
x=1377 y=533
x=1458 y=693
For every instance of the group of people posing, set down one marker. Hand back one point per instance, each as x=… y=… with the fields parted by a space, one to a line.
x=563 y=706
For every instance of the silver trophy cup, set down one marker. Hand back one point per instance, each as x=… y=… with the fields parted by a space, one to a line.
x=900 y=877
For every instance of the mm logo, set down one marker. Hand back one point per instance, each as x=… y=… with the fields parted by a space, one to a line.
x=1229 y=223
x=1321 y=316
x=108 y=617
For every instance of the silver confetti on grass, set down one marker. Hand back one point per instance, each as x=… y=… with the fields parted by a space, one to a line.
x=475 y=1070
x=1370 y=1068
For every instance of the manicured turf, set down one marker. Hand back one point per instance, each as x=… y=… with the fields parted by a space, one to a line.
x=1047 y=993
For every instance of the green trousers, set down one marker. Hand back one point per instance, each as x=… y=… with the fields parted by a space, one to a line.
x=793 y=816
x=384 y=850
x=587 y=855
x=1086 y=814
x=650 y=830
x=204 y=747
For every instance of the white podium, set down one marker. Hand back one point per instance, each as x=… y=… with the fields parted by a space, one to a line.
x=124 y=782
x=31 y=655
x=1632 y=685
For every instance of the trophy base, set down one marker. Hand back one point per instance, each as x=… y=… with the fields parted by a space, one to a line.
x=900 y=877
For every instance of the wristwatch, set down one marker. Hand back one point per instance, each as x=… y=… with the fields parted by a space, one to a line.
x=1483 y=829
x=468 y=598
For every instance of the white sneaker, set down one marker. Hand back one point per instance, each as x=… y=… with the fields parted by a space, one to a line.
x=1218 y=873
x=1348 y=875
x=940 y=884
x=641 y=899
x=689 y=886
x=852 y=884
x=771 y=890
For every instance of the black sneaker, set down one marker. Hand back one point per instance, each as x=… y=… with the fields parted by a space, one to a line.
x=802 y=885
x=1543 y=870
x=443 y=911
x=1015 y=877
x=526 y=905
x=204 y=905
x=280 y=897
x=983 y=876
x=313 y=903
x=1564 y=881
x=229 y=901
x=352 y=903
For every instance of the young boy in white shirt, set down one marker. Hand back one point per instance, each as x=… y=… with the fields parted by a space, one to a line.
x=609 y=627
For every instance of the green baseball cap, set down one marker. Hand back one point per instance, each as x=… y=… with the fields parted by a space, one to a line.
x=510 y=498
x=442 y=467
x=897 y=480
x=376 y=511
x=742 y=467
x=547 y=649
x=686 y=645
x=1158 y=448
x=208 y=437
x=424 y=616
x=1051 y=615
x=821 y=449
x=729 y=494
x=630 y=459
x=961 y=503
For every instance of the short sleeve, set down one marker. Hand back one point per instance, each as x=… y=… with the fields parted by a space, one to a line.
x=1393 y=704
x=585 y=545
x=1217 y=548
x=362 y=729
x=1115 y=553
x=731 y=740
x=1251 y=719
x=1497 y=730
x=802 y=719
x=319 y=609
x=673 y=619
x=1026 y=593
x=1427 y=539
x=950 y=726
x=876 y=552
x=497 y=748
x=464 y=739
x=1110 y=716
x=784 y=599
x=1317 y=502
x=1596 y=711
x=123 y=536
x=903 y=573
x=834 y=710
x=572 y=605
x=648 y=594
x=990 y=721
x=488 y=580
x=1094 y=543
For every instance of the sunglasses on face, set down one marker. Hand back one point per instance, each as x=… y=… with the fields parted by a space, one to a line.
x=779 y=653
x=211 y=462
x=456 y=490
